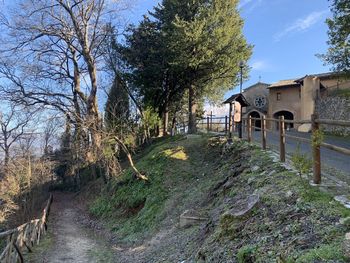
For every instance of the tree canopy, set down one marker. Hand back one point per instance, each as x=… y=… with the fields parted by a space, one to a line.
x=188 y=47
x=338 y=53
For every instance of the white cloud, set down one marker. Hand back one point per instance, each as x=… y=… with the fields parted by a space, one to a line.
x=259 y=65
x=243 y=3
x=251 y=4
x=302 y=24
x=262 y=65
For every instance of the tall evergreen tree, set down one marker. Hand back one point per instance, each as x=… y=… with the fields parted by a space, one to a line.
x=206 y=43
x=117 y=106
x=187 y=47
x=147 y=54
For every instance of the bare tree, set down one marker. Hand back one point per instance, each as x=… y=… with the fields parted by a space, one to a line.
x=54 y=52
x=61 y=41
x=13 y=123
x=51 y=130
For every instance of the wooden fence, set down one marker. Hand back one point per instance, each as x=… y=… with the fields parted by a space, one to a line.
x=248 y=124
x=215 y=124
x=24 y=237
x=315 y=144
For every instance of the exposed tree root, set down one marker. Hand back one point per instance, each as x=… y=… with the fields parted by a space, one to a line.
x=131 y=162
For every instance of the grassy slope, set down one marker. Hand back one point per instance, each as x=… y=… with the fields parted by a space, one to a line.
x=135 y=208
x=293 y=222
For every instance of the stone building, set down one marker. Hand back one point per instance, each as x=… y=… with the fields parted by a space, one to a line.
x=257 y=97
x=327 y=94
x=296 y=99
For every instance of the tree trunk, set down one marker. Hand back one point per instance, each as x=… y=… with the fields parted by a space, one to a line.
x=6 y=158
x=157 y=130
x=192 y=110
x=165 y=121
x=173 y=126
x=131 y=162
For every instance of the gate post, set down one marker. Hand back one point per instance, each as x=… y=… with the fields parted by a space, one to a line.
x=230 y=124
x=208 y=124
x=263 y=132
x=282 y=139
x=316 y=150
x=249 y=128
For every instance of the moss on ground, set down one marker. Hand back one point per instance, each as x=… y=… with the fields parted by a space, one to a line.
x=343 y=93
x=39 y=250
x=134 y=208
x=99 y=255
x=293 y=222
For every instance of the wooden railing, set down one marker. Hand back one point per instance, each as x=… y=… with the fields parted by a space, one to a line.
x=315 y=128
x=24 y=237
x=222 y=124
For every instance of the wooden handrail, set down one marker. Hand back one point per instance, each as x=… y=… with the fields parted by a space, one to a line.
x=315 y=127
x=297 y=138
x=336 y=148
x=319 y=121
x=24 y=236
x=285 y=121
x=333 y=122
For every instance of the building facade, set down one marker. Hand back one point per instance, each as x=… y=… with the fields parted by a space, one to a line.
x=296 y=99
x=257 y=96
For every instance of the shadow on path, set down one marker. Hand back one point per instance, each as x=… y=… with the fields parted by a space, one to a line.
x=67 y=240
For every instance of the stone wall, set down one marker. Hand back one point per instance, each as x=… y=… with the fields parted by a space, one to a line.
x=334 y=108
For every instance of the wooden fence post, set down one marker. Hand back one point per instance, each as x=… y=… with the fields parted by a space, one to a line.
x=316 y=150
x=226 y=123
x=9 y=251
x=249 y=128
x=282 y=139
x=208 y=124
x=230 y=124
x=263 y=132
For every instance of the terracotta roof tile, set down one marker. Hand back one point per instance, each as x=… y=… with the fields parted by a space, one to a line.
x=282 y=83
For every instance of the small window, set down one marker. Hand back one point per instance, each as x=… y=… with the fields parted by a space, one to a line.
x=278 y=96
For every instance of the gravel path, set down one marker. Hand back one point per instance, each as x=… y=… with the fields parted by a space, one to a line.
x=70 y=242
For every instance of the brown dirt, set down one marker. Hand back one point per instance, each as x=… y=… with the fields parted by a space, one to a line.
x=69 y=240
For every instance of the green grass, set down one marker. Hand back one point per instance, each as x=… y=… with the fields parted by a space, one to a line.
x=293 y=220
x=127 y=196
x=246 y=254
x=324 y=253
x=39 y=250
x=341 y=93
x=99 y=255
x=134 y=208
x=278 y=217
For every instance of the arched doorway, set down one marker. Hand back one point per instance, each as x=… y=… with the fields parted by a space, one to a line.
x=256 y=123
x=287 y=116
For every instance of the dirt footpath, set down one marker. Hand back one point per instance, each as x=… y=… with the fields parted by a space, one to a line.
x=67 y=240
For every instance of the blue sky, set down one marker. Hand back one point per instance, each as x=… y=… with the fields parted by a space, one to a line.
x=286 y=35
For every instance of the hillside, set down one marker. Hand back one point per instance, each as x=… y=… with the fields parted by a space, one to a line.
x=286 y=220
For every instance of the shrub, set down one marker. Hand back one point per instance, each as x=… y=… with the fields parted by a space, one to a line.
x=246 y=254
x=301 y=162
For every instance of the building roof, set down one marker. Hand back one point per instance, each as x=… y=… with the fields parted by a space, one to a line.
x=327 y=75
x=298 y=81
x=239 y=98
x=322 y=76
x=285 y=83
x=256 y=84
